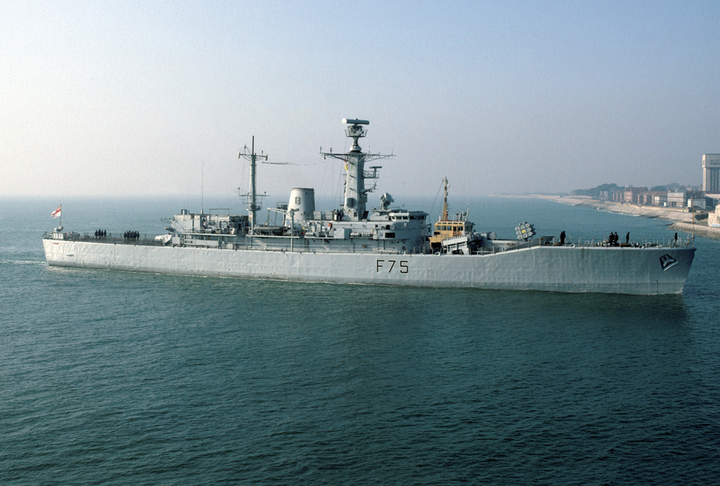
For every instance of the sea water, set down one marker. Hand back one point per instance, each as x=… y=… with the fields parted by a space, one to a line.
x=128 y=378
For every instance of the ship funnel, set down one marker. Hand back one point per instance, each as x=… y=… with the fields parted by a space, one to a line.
x=302 y=201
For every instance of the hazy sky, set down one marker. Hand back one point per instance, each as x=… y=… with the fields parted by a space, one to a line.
x=151 y=97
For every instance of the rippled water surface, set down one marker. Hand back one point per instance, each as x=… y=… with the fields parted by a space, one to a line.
x=127 y=378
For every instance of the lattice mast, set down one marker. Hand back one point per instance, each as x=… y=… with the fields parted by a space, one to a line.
x=355 y=205
x=253 y=206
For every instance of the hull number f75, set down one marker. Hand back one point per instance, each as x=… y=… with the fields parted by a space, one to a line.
x=391 y=266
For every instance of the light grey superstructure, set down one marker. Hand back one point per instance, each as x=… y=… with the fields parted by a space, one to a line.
x=386 y=245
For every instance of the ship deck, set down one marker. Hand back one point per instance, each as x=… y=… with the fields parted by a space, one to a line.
x=501 y=246
x=110 y=238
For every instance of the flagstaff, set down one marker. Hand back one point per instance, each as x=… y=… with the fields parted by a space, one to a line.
x=58 y=214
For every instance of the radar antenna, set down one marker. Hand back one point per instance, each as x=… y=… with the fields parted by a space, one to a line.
x=355 y=131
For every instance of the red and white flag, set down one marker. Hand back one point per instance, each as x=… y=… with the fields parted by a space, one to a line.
x=57 y=212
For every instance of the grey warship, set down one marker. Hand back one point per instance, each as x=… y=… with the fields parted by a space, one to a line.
x=387 y=245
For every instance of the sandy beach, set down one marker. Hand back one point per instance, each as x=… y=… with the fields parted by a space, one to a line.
x=669 y=214
x=682 y=219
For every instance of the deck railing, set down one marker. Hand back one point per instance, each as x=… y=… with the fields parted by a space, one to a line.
x=128 y=238
x=115 y=238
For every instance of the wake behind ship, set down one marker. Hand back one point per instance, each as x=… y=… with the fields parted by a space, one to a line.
x=387 y=245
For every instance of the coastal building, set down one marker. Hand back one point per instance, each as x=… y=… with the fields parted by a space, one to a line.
x=660 y=198
x=714 y=218
x=652 y=198
x=631 y=194
x=697 y=202
x=676 y=199
x=711 y=172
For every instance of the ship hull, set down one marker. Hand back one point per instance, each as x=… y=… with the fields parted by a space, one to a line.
x=624 y=270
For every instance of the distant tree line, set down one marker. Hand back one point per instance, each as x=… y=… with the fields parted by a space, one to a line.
x=610 y=188
x=595 y=191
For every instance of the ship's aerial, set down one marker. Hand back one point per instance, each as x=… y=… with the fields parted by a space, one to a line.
x=386 y=245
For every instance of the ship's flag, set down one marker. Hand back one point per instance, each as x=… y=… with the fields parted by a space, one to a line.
x=57 y=212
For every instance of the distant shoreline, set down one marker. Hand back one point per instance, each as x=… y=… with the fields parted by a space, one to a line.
x=680 y=218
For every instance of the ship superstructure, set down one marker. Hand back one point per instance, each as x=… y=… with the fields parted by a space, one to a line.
x=383 y=245
x=447 y=232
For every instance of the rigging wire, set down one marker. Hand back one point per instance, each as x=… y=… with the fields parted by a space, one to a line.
x=436 y=197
